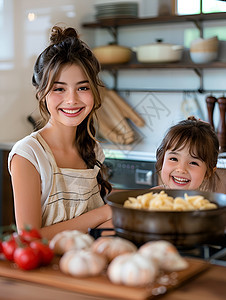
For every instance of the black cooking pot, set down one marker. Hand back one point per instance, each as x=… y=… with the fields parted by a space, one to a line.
x=184 y=229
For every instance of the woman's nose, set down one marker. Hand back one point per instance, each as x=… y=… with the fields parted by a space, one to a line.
x=71 y=98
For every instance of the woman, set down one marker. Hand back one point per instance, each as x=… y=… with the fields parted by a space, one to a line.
x=57 y=172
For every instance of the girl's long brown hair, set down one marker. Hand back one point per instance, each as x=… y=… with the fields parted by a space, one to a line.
x=67 y=48
x=202 y=142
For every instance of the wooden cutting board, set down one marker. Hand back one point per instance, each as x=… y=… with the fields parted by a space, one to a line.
x=100 y=285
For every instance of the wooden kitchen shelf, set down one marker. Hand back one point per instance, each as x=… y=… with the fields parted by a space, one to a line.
x=113 y=24
x=155 y=20
x=179 y=65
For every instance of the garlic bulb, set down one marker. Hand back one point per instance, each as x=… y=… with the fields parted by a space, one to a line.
x=70 y=240
x=111 y=247
x=164 y=254
x=132 y=269
x=82 y=263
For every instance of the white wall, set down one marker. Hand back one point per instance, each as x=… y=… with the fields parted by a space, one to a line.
x=26 y=39
x=29 y=38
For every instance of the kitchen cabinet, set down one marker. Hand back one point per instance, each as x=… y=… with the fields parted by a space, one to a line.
x=113 y=24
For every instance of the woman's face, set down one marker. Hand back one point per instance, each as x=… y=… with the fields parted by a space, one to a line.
x=70 y=100
x=180 y=170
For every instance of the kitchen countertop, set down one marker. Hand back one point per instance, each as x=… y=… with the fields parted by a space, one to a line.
x=124 y=152
x=209 y=285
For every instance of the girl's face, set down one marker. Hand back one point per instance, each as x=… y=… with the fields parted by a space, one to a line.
x=180 y=170
x=70 y=100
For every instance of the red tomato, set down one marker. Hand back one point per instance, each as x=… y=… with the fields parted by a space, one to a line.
x=29 y=234
x=8 y=248
x=26 y=258
x=1 y=250
x=46 y=254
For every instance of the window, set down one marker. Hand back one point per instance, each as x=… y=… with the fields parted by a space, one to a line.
x=6 y=33
x=187 y=7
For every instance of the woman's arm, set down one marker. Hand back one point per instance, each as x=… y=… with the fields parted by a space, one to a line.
x=91 y=219
x=26 y=184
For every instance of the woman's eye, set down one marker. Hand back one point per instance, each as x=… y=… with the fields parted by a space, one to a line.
x=83 y=88
x=58 y=89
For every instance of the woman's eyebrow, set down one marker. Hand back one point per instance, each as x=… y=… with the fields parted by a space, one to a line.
x=59 y=82
x=83 y=81
x=80 y=82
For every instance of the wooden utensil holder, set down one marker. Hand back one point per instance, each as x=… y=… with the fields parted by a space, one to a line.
x=210 y=101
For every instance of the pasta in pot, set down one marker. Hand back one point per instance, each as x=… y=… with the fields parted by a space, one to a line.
x=161 y=201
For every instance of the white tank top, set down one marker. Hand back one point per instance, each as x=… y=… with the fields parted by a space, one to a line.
x=66 y=193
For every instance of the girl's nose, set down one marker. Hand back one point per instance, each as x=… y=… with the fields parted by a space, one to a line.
x=181 y=167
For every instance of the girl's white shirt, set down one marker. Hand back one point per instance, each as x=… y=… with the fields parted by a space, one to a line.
x=65 y=193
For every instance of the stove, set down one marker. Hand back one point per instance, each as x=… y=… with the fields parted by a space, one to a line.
x=215 y=254
x=131 y=174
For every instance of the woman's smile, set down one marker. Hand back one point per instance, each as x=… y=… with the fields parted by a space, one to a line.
x=71 y=112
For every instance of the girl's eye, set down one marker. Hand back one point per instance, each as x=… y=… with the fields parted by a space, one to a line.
x=194 y=163
x=173 y=158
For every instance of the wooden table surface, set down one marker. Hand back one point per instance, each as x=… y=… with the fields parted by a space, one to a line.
x=209 y=285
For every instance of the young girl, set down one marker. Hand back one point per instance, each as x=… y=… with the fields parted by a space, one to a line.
x=187 y=156
x=56 y=171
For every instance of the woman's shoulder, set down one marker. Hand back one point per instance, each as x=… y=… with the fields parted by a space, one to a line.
x=30 y=148
x=28 y=143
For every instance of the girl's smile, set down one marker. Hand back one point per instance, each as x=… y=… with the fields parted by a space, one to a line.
x=180 y=180
x=181 y=170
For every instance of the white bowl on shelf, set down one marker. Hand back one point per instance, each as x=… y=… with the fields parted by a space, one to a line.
x=203 y=57
x=204 y=50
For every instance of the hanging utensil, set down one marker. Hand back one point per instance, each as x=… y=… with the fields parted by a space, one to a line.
x=190 y=106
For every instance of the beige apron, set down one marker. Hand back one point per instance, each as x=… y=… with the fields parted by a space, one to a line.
x=73 y=191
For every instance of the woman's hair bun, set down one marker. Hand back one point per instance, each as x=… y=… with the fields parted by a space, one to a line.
x=59 y=34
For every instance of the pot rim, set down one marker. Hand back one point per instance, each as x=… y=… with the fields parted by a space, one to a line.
x=168 y=191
